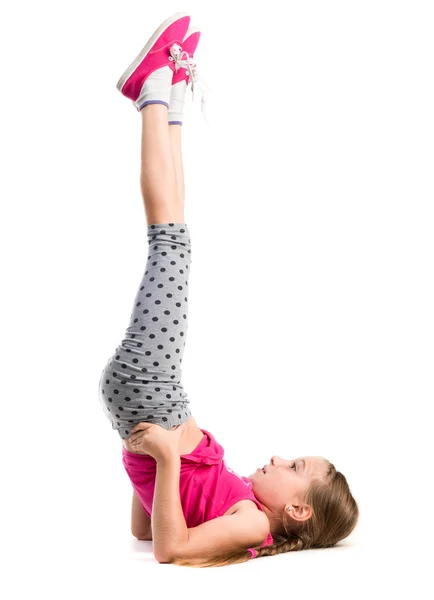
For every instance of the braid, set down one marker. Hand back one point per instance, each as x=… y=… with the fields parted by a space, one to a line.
x=280 y=546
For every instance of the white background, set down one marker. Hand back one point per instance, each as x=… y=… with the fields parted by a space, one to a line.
x=309 y=202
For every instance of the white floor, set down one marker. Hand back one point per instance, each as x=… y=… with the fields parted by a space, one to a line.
x=117 y=566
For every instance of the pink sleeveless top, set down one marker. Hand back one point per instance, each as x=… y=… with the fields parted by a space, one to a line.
x=207 y=486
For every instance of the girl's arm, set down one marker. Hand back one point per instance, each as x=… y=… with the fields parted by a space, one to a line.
x=169 y=529
x=140 y=522
x=172 y=538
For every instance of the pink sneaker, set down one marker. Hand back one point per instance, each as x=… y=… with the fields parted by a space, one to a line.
x=156 y=54
x=186 y=66
x=189 y=46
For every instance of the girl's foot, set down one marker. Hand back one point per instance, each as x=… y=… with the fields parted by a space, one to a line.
x=147 y=80
x=183 y=75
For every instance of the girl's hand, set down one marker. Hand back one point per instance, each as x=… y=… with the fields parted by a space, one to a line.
x=153 y=439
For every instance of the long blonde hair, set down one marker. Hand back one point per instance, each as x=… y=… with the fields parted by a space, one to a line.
x=334 y=516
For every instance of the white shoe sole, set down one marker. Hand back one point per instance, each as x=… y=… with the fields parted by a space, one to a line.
x=133 y=66
x=191 y=31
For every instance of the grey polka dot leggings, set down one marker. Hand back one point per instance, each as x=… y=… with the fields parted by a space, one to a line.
x=142 y=379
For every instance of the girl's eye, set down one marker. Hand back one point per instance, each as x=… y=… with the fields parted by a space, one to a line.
x=293 y=465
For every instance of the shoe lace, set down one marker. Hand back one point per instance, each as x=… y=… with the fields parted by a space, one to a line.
x=181 y=59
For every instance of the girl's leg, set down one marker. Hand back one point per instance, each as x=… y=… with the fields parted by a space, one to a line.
x=142 y=379
x=158 y=177
x=176 y=142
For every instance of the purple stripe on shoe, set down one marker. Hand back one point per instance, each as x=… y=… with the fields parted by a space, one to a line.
x=175 y=122
x=153 y=102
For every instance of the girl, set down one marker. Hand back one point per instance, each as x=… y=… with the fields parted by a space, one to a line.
x=197 y=510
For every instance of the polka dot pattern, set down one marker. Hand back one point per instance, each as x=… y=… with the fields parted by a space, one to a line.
x=142 y=379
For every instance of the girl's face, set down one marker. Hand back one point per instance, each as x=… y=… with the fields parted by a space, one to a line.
x=285 y=481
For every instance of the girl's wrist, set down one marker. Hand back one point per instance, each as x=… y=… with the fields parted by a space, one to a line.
x=168 y=457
